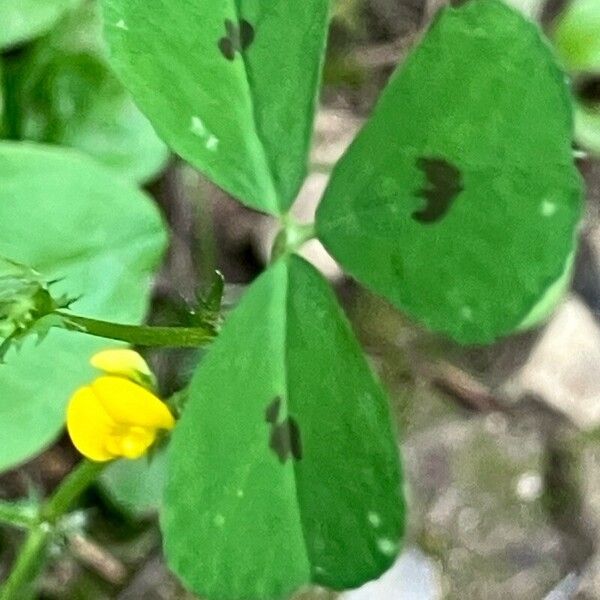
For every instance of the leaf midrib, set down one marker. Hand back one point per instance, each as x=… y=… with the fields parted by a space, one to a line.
x=286 y=405
x=288 y=266
x=266 y=156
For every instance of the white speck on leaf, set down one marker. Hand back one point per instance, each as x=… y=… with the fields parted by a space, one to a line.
x=466 y=313
x=219 y=520
x=374 y=519
x=121 y=25
x=212 y=143
x=197 y=127
x=387 y=546
x=240 y=493
x=548 y=208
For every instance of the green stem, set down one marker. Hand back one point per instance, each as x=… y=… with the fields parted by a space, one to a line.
x=18 y=514
x=28 y=565
x=31 y=556
x=174 y=337
x=291 y=237
x=70 y=489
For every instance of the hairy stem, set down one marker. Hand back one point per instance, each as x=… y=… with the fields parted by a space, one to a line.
x=72 y=486
x=28 y=564
x=142 y=335
x=31 y=557
x=16 y=514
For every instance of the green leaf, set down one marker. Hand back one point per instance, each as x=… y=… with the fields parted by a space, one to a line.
x=577 y=36
x=587 y=128
x=229 y=84
x=136 y=486
x=283 y=469
x=552 y=297
x=459 y=199
x=3 y=123
x=100 y=239
x=68 y=95
x=23 y=20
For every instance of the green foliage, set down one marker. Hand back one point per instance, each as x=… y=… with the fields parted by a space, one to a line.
x=3 y=124
x=283 y=469
x=23 y=20
x=237 y=105
x=21 y=513
x=100 y=239
x=587 y=127
x=26 y=305
x=136 y=486
x=551 y=298
x=459 y=199
x=209 y=305
x=24 y=296
x=67 y=94
x=577 y=36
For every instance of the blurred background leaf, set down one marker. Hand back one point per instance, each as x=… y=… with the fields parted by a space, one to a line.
x=348 y=13
x=103 y=251
x=587 y=128
x=23 y=20
x=577 y=36
x=136 y=486
x=62 y=91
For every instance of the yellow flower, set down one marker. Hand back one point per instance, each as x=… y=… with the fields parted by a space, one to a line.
x=125 y=363
x=113 y=416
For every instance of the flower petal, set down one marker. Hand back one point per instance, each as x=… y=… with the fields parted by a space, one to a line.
x=89 y=425
x=132 y=442
x=121 y=361
x=130 y=404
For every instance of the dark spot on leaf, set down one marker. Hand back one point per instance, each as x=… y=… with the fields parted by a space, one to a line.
x=285 y=439
x=295 y=438
x=444 y=184
x=232 y=31
x=246 y=34
x=226 y=48
x=280 y=443
x=237 y=38
x=272 y=412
